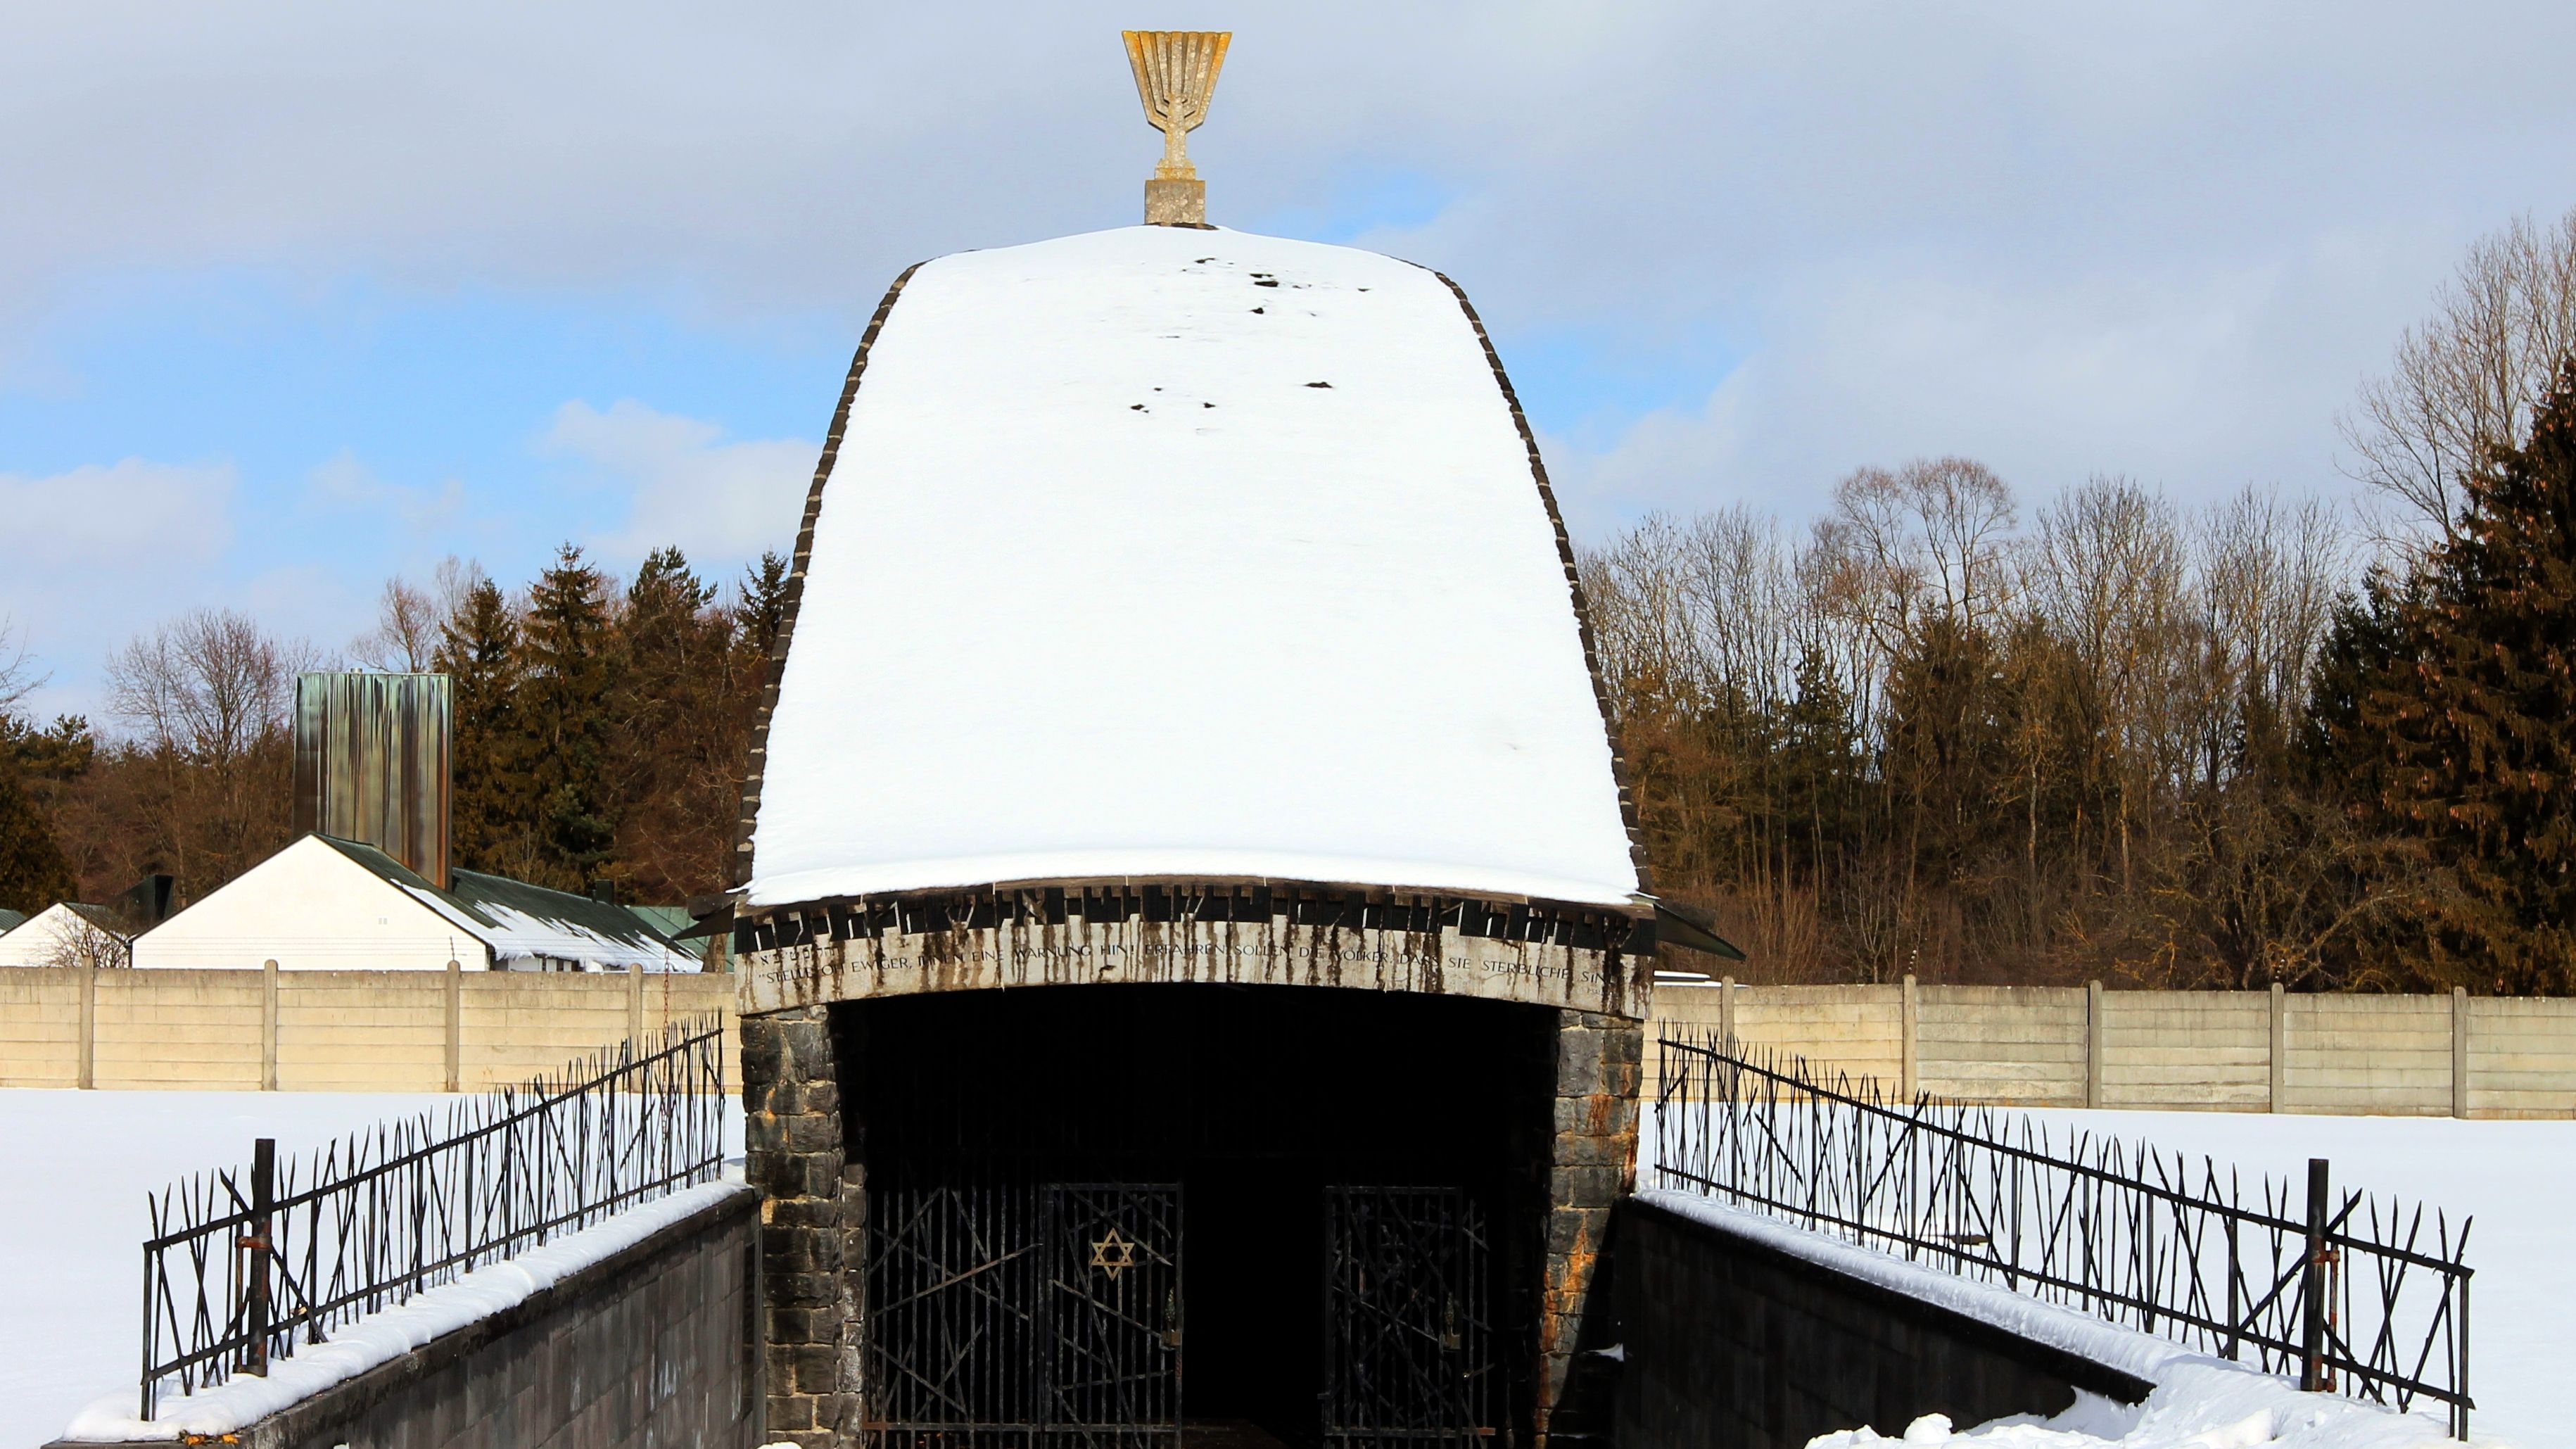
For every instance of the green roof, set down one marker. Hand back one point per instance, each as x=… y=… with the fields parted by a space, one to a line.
x=519 y=919
x=10 y=918
x=669 y=920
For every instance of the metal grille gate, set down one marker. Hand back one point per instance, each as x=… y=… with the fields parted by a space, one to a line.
x=1408 y=1337
x=1009 y=1315
x=1048 y=1316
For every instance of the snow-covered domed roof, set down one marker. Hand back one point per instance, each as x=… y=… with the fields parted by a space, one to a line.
x=1164 y=552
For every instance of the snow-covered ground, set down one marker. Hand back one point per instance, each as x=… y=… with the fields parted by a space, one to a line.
x=72 y=1221
x=2516 y=1178
x=2199 y=1402
x=381 y=1337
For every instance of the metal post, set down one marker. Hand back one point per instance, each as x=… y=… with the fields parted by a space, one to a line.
x=2460 y=1381
x=2312 y=1284
x=635 y=1008
x=263 y=1198
x=2235 y=1295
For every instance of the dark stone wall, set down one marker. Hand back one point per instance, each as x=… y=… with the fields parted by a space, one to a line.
x=1591 y=1165
x=812 y=1211
x=1731 y=1344
x=650 y=1347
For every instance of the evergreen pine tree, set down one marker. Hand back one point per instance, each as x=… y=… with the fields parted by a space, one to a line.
x=763 y=609
x=33 y=873
x=673 y=737
x=564 y=721
x=2480 y=757
x=2366 y=647
x=492 y=822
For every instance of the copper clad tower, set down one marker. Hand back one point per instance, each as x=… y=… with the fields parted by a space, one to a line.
x=372 y=756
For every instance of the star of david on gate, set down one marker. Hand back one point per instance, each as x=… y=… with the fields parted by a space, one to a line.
x=1114 y=1254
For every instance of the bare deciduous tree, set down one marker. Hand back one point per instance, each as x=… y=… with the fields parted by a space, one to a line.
x=206 y=687
x=1930 y=540
x=1925 y=740
x=18 y=677
x=82 y=943
x=2466 y=379
x=206 y=701
x=409 y=618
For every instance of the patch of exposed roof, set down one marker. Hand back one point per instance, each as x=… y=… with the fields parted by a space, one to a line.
x=523 y=922
x=1163 y=552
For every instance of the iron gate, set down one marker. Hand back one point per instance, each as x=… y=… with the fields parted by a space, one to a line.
x=1014 y=1314
x=1408 y=1338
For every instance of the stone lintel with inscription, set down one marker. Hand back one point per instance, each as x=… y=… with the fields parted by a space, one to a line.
x=1593 y=959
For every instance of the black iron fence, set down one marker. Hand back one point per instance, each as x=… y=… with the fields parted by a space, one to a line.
x=243 y=1266
x=2349 y=1292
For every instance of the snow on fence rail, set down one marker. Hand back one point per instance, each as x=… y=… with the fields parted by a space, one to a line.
x=2350 y=1294
x=242 y=1266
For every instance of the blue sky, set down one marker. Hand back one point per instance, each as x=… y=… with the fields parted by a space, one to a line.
x=305 y=294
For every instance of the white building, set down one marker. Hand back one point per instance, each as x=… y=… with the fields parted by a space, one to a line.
x=66 y=934
x=329 y=904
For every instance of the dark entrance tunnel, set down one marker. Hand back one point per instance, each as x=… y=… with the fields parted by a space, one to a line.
x=1298 y=1126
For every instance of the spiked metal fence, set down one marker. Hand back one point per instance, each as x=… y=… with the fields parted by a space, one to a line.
x=245 y=1266
x=2350 y=1292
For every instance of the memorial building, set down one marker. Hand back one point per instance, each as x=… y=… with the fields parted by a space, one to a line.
x=1192 y=928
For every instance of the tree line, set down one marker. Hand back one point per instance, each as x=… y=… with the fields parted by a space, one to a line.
x=600 y=730
x=1936 y=731
x=2117 y=738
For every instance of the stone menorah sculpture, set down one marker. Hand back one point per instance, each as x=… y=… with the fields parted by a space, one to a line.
x=1175 y=77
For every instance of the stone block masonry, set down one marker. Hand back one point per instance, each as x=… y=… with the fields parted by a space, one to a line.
x=812 y=1205
x=1591 y=1166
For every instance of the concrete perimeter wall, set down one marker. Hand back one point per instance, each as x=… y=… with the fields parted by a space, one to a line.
x=2223 y=1051
x=331 y=1031
x=2240 y=1051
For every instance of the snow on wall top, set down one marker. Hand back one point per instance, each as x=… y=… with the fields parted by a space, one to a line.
x=1160 y=552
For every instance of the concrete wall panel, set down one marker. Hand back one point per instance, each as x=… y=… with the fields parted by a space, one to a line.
x=173 y=1030
x=2381 y=1055
x=2202 y=1050
x=40 y=1012
x=2018 y=1044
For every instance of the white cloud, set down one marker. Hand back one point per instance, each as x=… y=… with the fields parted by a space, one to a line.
x=343 y=481
x=2197 y=378
x=720 y=502
x=2165 y=240
x=101 y=552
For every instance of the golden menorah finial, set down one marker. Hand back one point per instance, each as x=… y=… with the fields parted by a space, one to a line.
x=1175 y=77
